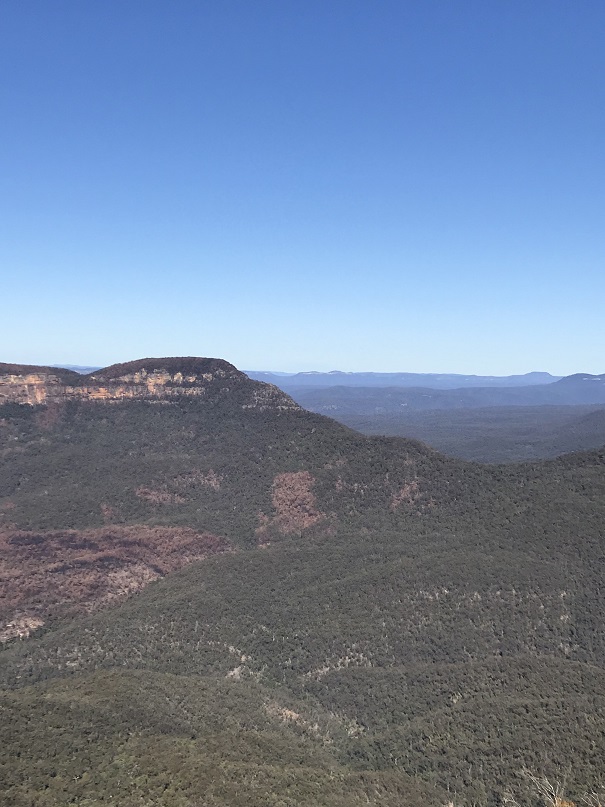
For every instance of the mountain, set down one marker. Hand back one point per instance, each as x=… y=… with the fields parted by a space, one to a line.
x=570 y=391
x=317 y=617
x=186 y=444
x=145 y=379
x=337 y=378
x=582 y=380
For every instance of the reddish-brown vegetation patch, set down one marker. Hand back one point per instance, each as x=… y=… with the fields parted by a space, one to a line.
x=194 y=479
x=159 y=496
x=180 y=488
x=108 y=512
x=408 y=494
x=294 y=502
x=45 y=574
x=263 y=523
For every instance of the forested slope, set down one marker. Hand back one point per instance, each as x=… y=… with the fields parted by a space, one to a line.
x=387 y=625
x=494 y=435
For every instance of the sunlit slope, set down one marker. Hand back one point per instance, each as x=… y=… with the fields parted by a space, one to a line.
x=382 y=624
x=242 y=473
x=100 y=497
x=132 y=738
x=454 y=653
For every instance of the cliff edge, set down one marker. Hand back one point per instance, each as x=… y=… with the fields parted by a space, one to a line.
x=155 y=379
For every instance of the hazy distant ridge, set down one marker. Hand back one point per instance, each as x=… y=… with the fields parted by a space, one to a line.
x=577 y=389
x=336 y=378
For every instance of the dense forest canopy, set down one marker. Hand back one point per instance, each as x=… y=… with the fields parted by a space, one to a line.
x=220 y=599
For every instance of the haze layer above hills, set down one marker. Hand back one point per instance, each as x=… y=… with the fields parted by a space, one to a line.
x=569 y=391
x=343 y=619
x=337 y=378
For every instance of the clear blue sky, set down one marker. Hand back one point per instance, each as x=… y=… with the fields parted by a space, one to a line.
x=304 y=184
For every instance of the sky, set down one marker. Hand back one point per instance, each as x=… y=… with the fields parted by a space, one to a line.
x=407 y=185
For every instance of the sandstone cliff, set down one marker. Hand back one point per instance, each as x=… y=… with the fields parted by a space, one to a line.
x=159 y=379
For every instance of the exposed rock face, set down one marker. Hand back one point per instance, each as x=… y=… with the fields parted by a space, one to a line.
x=155 y=379
x=22 y=383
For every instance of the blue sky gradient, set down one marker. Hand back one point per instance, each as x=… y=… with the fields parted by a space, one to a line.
x=390 y=186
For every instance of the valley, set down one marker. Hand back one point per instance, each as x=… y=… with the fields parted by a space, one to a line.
x=509 y=419
x=492 y=435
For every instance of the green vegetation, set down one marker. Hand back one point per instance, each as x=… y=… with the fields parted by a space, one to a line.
x=497 y=434
x=67 y=471
x=135 y=738
x=398 y=627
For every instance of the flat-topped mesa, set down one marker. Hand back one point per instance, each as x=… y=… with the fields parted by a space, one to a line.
x=163 y=377
x=153 y=378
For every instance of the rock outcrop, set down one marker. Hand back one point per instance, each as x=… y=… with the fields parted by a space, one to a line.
x=160 y=379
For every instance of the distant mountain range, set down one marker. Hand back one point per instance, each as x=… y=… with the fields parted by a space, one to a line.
x=337 y=378
x=77 y=368
x=483 y=418
x=572 y=390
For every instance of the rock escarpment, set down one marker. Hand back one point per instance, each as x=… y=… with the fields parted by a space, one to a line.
x=159 y=379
